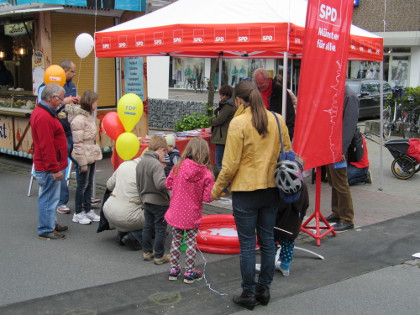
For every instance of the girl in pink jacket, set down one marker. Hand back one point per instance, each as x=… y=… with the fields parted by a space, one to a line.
x=191 y=182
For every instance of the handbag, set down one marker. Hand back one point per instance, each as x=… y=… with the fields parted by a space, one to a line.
x=290 y=156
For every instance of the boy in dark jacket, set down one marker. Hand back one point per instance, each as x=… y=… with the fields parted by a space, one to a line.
x=288 y=222
x=150 y=178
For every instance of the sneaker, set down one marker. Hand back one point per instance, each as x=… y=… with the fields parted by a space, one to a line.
x=81 y=218
x=193 y=276
x=173 y=274
x=91 y=215
x=63 y=209
x=95 y=201
x=51 y=236
x=284 y=272
x=162 y=260
x=368 y=177
x=148 y=256
x=332 y=219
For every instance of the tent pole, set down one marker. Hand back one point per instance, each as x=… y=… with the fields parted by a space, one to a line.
x=95 y=114
x=118 y=79
x=283 y=101
x=291 y=75
x=381 y=127
x=219 y=83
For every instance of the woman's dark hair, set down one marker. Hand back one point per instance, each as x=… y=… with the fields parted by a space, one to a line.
x=249 y=93
x=226 y=90
x=87 y=99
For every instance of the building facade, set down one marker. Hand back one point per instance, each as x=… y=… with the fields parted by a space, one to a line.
x=398 y=22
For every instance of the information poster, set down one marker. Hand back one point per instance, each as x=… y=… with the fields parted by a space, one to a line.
x=133 y=76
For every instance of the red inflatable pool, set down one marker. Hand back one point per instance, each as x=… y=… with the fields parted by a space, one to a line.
x=217 y=234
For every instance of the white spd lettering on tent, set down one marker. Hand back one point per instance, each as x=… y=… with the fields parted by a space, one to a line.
x=219 y=39
x=140 y=43
x=122 y=45
x=197 y=40
x=158 y=42
x=242 y=38
x=267 y=38
x=177 y=40
x=328 y=13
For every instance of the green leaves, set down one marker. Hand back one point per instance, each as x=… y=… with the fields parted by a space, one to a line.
x=193 y=121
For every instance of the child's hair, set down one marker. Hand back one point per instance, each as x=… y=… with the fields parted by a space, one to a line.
x=87 y=99
x=170 y=140
x=196 y=150
x=157 y=142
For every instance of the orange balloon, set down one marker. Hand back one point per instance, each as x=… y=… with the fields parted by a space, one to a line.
x=55 y=74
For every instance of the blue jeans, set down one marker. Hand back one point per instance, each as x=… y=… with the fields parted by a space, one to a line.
x=356 y=175
x=154 y=222
x=84 y=189
x=220 y=150
x=49 y=193
x=256 y=210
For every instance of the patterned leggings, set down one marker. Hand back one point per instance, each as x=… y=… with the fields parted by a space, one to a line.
x=286 y=251
x=191 y=242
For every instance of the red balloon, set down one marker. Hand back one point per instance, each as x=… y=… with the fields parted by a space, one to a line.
x=112 y=125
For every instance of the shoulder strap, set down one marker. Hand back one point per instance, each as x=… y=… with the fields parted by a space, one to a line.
x=278 y=127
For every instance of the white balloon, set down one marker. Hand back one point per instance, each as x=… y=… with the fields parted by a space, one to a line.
x=83 y=45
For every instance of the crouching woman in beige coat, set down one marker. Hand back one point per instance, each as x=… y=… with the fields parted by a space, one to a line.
x=124 y=208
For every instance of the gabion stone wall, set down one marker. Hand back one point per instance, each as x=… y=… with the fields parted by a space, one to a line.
x=163 y=114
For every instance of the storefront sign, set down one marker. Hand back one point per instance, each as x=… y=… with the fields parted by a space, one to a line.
x=319 y=116
x=133 y=76
x=104 y=4
x=17 y=29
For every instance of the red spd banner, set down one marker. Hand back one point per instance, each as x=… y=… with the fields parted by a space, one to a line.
x=318 y=128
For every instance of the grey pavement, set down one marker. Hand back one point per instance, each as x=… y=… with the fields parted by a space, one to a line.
x=368 y=270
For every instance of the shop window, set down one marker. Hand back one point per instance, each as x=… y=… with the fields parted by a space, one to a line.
x=399 y=71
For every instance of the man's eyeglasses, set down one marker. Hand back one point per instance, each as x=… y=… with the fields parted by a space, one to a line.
x=72 y=71
x=61 y=99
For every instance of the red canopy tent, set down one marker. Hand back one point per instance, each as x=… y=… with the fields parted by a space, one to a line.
x=220 y=28
x=226 y=29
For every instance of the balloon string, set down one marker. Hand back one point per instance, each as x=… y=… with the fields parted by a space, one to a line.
x=204 y=272
x=205 y=278
x=80 y=71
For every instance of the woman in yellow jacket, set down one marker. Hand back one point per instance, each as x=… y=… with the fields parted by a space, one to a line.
x=251 y=152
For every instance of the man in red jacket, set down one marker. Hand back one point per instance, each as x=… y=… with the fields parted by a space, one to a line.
x=50 y=159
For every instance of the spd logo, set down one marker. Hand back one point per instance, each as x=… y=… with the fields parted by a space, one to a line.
x=329 y=11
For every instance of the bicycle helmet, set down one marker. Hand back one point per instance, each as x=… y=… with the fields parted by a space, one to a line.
x=288 y=176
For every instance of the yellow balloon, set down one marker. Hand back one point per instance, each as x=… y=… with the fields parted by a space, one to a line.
x=127 y=145
x=130 y=110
